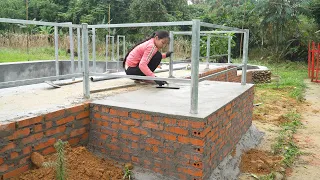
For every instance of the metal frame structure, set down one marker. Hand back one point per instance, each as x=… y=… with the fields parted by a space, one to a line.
x=107 y=50
x=202 y=33
x=196 y=25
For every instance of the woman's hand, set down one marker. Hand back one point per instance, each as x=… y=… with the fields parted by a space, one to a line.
x=168 y=54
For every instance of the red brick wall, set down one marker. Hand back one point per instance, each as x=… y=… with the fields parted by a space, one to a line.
x=183 y=147
x=38 y=134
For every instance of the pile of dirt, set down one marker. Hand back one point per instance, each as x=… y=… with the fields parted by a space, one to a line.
x=80 y=164
x=259 y=162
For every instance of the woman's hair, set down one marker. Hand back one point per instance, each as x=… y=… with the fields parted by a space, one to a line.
x=160 y=34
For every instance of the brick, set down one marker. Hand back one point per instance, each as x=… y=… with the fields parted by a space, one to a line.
x=37 y=128
x=109 y=132
x=183 y=123
x=153 y=141
x=32 y=138
x=78 y=132
x=112 y=119
x=64 y=120
x=4 y=168
x=24 y=160
x=176 y=130
x=85 y=136
x=130 y=122
x=1 y=160
x=19 y=134
x=74 y=141
x=113 y=147
x=14 y=155
x=130 y=137
x=168 y=151
x=152 y=125
x=16 y=172
x=48 y=150
x=49 y=142
x=96 y=115
x=186 y=140
x=103 y=136
x=135 y=159
x=49 y=125
x=197 y=124
x=105 y=109
x=55 y=114
x=125 y=157
x=26 y=150
x=8 y=126
x=170 y=121
x=135 y=115
x=119 y=113
x=30 y=121
x=197 y=173
x=138 y=131
x=82 y=115
x=134 y=145
x=9 y=146
x=57 y=130
x=76 y=109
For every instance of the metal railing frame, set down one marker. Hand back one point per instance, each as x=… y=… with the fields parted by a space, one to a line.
x=196 y=25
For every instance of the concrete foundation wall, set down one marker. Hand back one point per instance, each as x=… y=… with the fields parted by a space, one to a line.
x=38 y=69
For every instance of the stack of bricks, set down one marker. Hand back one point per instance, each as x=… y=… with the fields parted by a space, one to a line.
x=38 y=134
x=177 y=146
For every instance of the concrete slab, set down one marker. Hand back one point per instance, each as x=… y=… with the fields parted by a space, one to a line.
x=212 y=96
x=32 y=100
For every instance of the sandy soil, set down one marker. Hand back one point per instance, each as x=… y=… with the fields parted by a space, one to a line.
x=80 y=164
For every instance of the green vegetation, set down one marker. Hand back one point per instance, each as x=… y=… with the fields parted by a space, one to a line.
x=60 y=164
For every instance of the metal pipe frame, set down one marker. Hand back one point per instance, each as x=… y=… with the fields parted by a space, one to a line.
x=245 y=57
x=56 y=49
x=118 y=49
x=152 y=24
x=71 y=51
x=195 y=66
x=176 y=80
x=40 y=23
x=94 y=49
x=86 y=80
x=205 y=32
x=208 y=50
x=171 y=48
x=79 y=49
x=36 y=80
x=229 y=48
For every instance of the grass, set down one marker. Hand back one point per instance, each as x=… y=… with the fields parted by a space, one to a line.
x=286 y=75
x=43 y=53
x=285 y=145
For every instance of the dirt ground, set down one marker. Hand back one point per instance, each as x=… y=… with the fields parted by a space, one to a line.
x=267 y=118
x=80 y=164
x=308 y=138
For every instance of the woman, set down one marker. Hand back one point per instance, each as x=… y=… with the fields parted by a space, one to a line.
x=144 y=58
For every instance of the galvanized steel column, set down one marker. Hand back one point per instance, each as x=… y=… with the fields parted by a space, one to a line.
x=79 y=49
x=171 y=57
x=195 y=65
x=71 y=51
x=86 y=85
x=124 y=47
x=112 y=37
x=107 y=50
x=118 y=53
x=245 y=57
x=94 y=49
x=229 y=48
x=56 y=49
x=208 y=50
